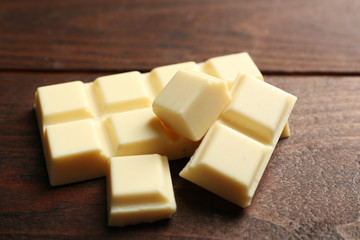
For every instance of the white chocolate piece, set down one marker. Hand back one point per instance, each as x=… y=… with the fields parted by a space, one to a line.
x=191 y=103
x=227 y=163
x=257 y=109
x=228 y=67
x=136 y=132
x=121 y=92
x=141 y=132
x=74 y=152
x=139 y=190
x=61 y=102
x=234 y=153
x=161 y=76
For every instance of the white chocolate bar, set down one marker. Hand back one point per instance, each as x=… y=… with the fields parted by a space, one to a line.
x=120 y=124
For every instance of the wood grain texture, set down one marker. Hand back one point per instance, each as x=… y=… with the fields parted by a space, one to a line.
x=282 y=36
x=310 y=189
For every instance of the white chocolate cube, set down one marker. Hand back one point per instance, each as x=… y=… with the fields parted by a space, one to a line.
x=121 y=92
x=61 y=102
x=227 y=163
x=73 y=152
x=191 y=102
x=258 y=109
x=228 y=67
x=139 y=190
x=161 y=76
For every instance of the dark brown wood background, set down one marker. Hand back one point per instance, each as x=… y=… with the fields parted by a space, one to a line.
x=311 y=187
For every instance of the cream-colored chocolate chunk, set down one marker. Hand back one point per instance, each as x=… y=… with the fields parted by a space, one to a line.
x=191 y=102
x=136 y=132
x=121 y=92
x=227 y=163
x=61 y=103
x=228 y=67
x=139 y=189
x=258 y=109
x=161 y=76
x=141 y=132
x=234 y=153
x=74 y=152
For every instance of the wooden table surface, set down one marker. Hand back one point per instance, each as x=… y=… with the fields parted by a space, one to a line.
x=311 y=187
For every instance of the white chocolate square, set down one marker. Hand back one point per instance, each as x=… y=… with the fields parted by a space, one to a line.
x=139 y=189
x=136 y=132
x=227 y=163
x=62 y=102
x=228 y=67
x=191 y=103
x=258 y=109
x=73 y=152
x=161 y=76
x=121 y=92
